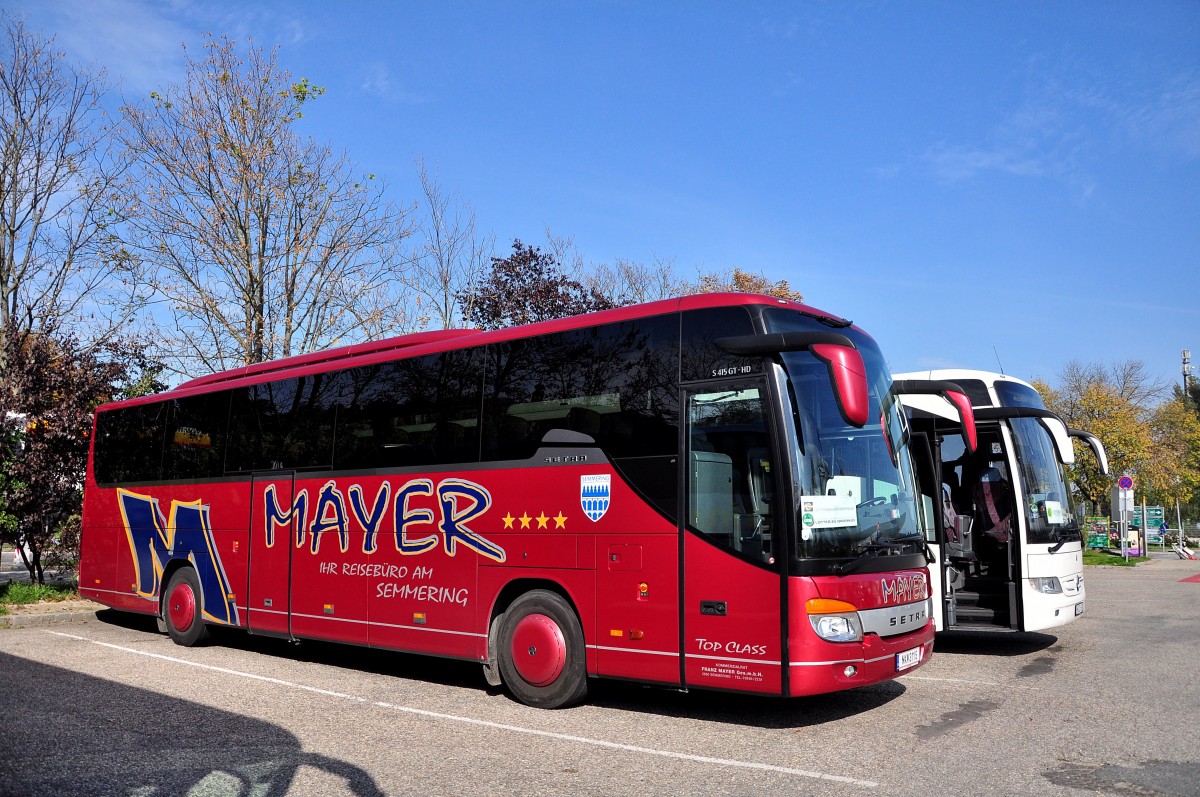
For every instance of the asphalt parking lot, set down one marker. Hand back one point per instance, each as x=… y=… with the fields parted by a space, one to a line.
x=1106 y=705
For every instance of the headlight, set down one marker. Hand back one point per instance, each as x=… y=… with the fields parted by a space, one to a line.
x=834 y=621
x=1048 y=585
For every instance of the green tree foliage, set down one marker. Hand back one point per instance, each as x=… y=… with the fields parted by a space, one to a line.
x=527 y=286
x=1099 y=408
x=1156 y=442
x=48 y=394
x=1173 y=472
x=1193 y=395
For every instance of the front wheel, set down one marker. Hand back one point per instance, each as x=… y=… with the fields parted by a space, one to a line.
x=181 y=608
x=541 y=651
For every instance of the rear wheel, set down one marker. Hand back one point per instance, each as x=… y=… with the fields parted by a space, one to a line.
x=181 y=609
x=541 y=651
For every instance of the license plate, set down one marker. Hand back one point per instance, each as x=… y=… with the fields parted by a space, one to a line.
x=1078 y=609
x=909 y=658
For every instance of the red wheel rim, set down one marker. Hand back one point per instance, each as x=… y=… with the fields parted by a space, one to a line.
x=539 y=651
x=181 y=606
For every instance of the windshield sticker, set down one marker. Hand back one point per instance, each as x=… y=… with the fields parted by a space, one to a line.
x=1054 y=513
x=826 y=512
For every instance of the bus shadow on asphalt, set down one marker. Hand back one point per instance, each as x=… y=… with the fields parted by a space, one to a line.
x=992 y=643
x=450 y=672
x=134 y=622
x=759 y=711
x=712 y=706
x=112 y=738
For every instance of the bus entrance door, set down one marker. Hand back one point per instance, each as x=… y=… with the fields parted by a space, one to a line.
x=272 y=531
x=731 y=596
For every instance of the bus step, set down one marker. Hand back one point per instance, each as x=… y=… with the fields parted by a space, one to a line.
x=974 y=615
x=974 y=608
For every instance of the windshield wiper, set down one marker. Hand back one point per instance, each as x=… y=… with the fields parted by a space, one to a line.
x=1063 y=538
x=907 y=538
x=870 y=551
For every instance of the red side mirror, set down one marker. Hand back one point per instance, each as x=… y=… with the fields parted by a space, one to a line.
x=849 y=377
x=963 y=405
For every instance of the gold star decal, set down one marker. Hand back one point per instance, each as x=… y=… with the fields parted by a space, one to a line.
x=560 y=520
x=542 y=520
x=525 y=518
x=508 y=520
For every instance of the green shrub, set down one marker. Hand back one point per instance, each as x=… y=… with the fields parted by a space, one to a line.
x=19 y=592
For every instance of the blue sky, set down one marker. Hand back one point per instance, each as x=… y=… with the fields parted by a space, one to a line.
x=965 y=180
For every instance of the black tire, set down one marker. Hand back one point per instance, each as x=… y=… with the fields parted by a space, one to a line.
x=541 y=651
x=182 y=607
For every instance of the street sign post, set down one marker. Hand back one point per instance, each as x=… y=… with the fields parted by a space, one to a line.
x=1122 y=501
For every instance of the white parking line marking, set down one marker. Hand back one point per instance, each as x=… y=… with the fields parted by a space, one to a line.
x=947 y=680
x=629 y=748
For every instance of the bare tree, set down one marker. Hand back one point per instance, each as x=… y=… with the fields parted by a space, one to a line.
x=1127 y=379
x=449 y=256
x=261 y=243
x=634 y=282
x=57 y=259
x=1136 y=384
x=623 y=281
x=562 y=248
x=740 y=281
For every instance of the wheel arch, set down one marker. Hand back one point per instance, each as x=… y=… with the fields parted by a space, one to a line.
x=173 y=566
x=505 y=598
x=519 y=586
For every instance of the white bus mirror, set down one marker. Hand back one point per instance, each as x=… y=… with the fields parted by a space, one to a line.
x=1096 y=446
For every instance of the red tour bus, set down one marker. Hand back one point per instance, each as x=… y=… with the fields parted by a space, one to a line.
x=709 y=492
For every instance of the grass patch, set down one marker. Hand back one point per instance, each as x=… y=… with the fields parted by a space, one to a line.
x=19 y=592
x=1094 y=557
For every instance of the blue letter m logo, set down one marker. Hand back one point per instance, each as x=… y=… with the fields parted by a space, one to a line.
x=154 y=541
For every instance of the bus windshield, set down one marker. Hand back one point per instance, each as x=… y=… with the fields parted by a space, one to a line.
x=1047 y=498
x=855 y=492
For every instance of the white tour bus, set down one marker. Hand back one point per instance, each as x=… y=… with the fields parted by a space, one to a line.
x=1009 y=546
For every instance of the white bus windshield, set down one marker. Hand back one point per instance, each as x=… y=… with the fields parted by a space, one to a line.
x=1050 y=514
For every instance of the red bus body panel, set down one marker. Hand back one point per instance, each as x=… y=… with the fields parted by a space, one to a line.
x=620 y=572
x=368 y=559
x=820 y=666
x=423 y=561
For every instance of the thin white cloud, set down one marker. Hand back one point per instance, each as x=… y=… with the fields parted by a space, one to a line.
x=379 y=81
x=263 y=25
x=1069 y=118
x=1170 y=118
x=137 y=43
x=952 y=163
x=140 y=43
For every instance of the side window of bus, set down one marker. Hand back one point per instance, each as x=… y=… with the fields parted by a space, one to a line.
x=730 y=479
x=411 y=413
x=282 y=424
x=614 y=383
x=129 y=444
x=701 y=357
x=195 y=446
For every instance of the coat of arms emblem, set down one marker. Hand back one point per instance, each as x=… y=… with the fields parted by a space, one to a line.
x=595 y=494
